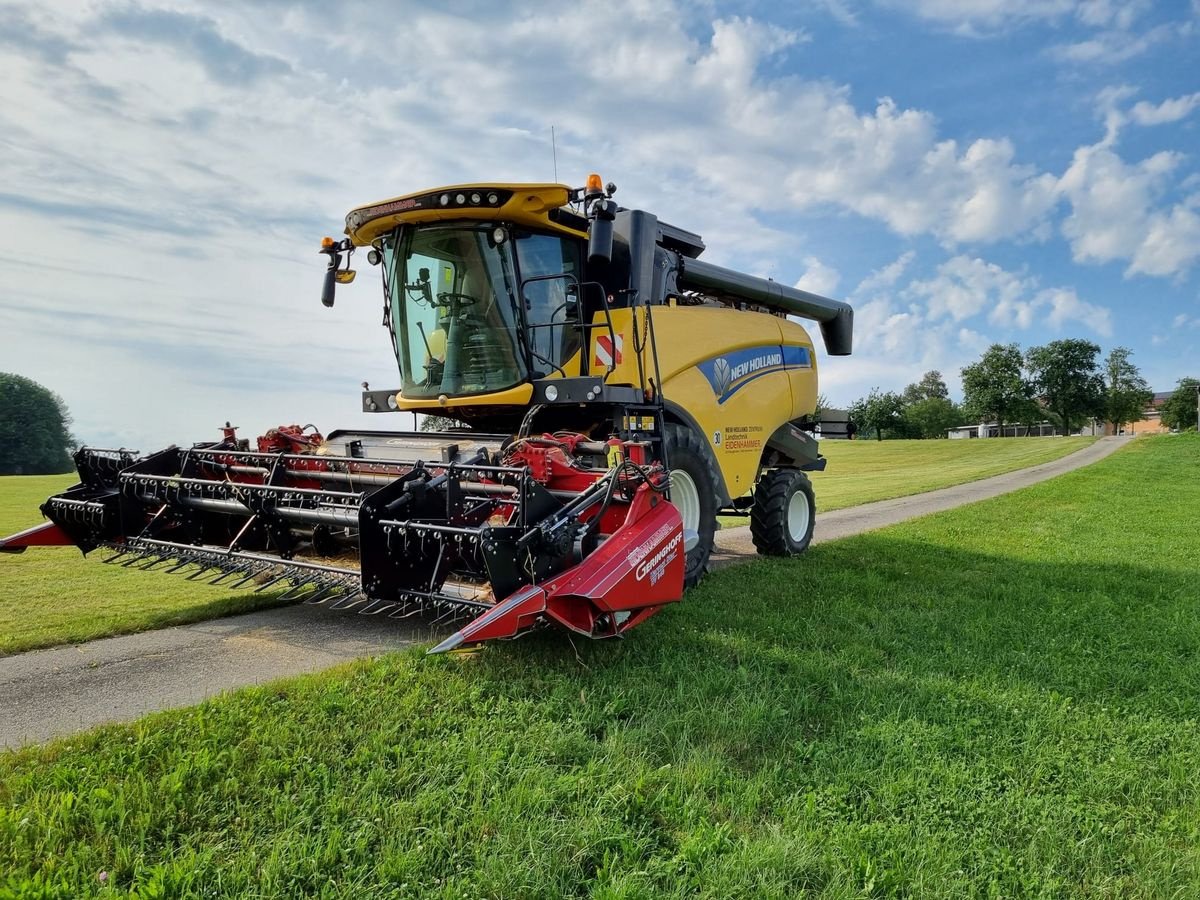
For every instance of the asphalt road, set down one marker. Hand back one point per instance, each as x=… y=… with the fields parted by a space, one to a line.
x=48 y=693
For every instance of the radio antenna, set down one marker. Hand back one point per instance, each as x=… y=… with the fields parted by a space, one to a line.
x=554 y=151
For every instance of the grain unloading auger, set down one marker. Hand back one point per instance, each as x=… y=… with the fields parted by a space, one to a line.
x=611 y=394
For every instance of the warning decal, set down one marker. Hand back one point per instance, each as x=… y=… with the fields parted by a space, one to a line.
x=608 y=353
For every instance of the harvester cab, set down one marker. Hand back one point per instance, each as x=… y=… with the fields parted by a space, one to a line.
x=611 y=394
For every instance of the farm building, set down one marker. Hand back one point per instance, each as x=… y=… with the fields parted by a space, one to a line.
x=1150 y=423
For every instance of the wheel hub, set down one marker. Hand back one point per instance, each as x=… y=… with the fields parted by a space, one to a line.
x=686 y=497
x=797 y=516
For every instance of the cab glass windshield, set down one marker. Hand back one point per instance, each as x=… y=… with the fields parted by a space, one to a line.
x=477 y=309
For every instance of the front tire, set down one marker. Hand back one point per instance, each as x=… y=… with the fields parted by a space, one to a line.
x=784 y=513
x=695 y=486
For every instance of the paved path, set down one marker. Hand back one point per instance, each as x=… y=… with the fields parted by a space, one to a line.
x=734 y=543
x=46 y=693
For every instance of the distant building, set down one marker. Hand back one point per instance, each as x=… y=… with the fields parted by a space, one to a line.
x=1151 y=420
x=1149 y=423
x=991 y=429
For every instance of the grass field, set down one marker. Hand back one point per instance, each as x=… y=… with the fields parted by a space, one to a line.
x=865 y=471
x=995 y=701
x=53 y=596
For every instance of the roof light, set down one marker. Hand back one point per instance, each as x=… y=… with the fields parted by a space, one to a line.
x=460 y=199
x=595 y=184
x=444 y=199
x=493 y=198
x=327 y=242
x=476 y=199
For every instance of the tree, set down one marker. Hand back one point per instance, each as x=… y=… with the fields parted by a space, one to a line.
x=1067 y=379
x=931 y=387
x=996 y=388
x=879 y=412
x=1127 y=394
x=933 y=417
x=822 y=405
x=439 y=423
x=1179 y=410
x=35 y=437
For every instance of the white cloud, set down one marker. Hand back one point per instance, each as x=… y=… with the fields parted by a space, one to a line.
x=947 y=320
x=1116 y=13
x=970 y=16
x=977 y=17
x=886 y=276
x=1171 y=110
x=964 y=287
x=1065 y=306
x=1115 y=213
x=1113 y=46
x=818 y=278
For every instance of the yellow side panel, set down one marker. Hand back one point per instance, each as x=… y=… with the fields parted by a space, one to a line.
x=739 y=375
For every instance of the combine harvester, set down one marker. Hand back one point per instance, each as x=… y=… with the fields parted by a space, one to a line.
x=613 y=395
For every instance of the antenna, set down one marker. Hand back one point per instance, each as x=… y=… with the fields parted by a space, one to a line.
x=554 y=151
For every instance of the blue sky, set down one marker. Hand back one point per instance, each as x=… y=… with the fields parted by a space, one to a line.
x=963 y=171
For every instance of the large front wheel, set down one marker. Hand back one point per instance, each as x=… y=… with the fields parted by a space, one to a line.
x=694 y=491
x=784 y=513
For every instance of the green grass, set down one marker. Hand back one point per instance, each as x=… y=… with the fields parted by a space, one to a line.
x=865 y=471
x=52 y=595
x=997 y=701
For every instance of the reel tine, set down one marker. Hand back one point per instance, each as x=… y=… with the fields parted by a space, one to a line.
x=270 y=583
x=200 y=571
x=116 y=556
x=321 y=594
x=251 y=573
x=453 y=613
x=375 y=607
x=296 y=589
x=226 y=573
x=401 y=614
x=348 y=600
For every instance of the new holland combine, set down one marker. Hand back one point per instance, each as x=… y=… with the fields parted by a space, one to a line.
x=611 y=395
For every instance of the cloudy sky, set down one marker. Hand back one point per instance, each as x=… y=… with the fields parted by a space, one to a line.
x=963 y=171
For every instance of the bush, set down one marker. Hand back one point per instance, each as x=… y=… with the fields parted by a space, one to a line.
x=35 y=437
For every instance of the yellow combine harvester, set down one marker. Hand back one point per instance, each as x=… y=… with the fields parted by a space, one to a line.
x=614 y=394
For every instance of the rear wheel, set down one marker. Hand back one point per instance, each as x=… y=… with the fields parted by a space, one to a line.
x=694 y=490
x=784 y=513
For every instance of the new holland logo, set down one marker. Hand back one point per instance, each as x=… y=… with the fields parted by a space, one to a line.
x=722 y=375
x=728 y=374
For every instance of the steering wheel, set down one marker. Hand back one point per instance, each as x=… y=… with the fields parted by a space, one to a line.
x=446 y=297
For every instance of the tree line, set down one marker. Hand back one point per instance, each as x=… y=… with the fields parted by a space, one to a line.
x=1064 y=383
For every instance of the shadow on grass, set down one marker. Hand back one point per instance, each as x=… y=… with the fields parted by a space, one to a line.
x=874 y=628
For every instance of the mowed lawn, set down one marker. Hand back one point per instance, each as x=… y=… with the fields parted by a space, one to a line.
x=996 y=701
x=55 y=596
x=865 y=471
